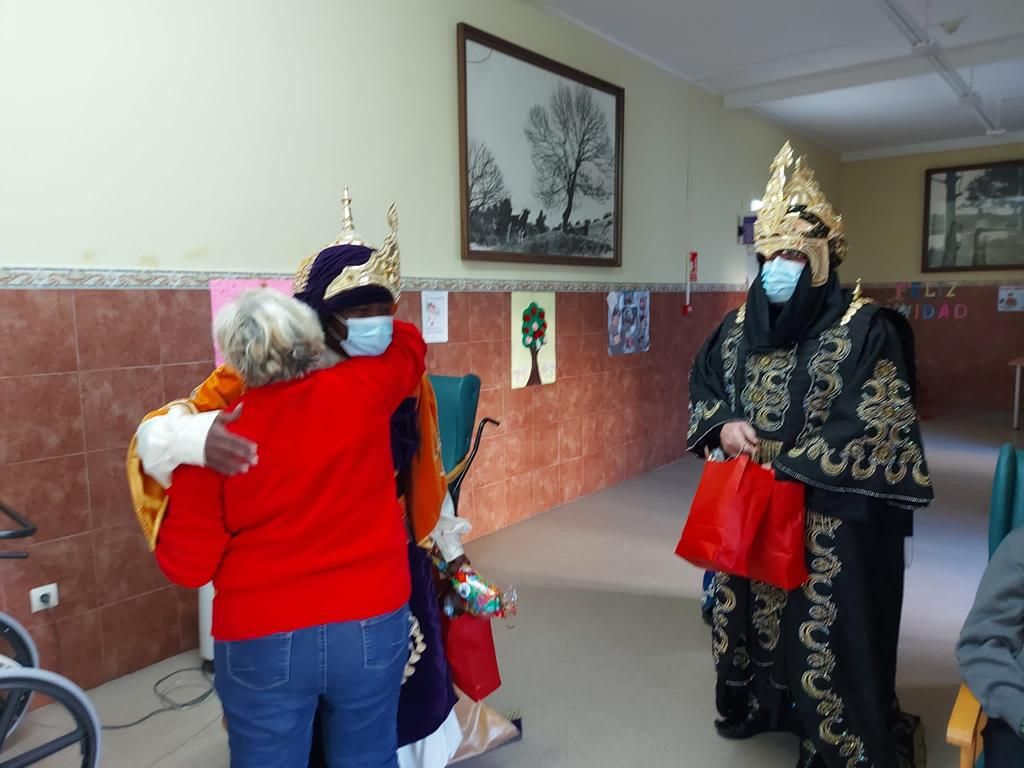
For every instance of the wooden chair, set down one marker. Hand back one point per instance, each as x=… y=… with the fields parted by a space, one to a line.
x=1006 y=512
x=964 y=729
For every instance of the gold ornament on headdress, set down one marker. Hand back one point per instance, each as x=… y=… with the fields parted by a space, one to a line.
x=779 y=226
x=382 y=269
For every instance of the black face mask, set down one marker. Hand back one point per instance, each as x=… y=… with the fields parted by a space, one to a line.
x=808 y=312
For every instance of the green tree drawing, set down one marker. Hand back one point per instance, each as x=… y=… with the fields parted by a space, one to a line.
x=535 y=330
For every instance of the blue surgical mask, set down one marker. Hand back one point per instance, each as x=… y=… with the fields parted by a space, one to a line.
x=780 y=277
x=368 y=336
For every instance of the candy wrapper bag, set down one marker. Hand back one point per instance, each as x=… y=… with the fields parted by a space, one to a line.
x=473 y=594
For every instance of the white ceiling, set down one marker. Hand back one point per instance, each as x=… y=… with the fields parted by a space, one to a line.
x=837 y=71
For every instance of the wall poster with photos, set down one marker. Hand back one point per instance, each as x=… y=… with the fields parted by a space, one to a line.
x=974 y=217
x=540 y=154
x=629 y=322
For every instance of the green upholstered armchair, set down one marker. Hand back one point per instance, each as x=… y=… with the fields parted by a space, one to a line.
x=457 y=401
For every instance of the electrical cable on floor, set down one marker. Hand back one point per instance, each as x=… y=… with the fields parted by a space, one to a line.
x=169 y=704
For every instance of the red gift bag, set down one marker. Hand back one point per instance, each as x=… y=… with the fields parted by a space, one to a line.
x=778 y=558
x=725 y=516
x=469 y=648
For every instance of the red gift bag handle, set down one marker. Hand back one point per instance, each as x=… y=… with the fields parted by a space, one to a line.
x=740 y=465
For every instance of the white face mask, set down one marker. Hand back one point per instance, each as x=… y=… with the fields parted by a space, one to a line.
x=780 y=277
x=368 y=336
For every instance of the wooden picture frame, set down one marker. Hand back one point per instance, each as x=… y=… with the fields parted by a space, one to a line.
x=524 y=199
x=973 y=218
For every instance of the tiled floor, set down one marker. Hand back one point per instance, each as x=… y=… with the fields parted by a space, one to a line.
x=608 y=661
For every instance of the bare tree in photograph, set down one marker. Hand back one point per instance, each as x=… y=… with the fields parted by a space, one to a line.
x=952 y=242
x=1002 y=186
x=486 y=181
x=572 y=150
x=998 y=194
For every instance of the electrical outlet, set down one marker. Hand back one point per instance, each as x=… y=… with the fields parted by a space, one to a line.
x=44 y=598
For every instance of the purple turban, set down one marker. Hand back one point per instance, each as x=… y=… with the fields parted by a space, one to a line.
x=327 y=265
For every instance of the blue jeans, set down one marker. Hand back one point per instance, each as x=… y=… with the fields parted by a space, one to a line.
x=271 y=687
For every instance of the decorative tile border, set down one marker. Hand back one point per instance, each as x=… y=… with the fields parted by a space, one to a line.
x=113 y=279
x=123 y=279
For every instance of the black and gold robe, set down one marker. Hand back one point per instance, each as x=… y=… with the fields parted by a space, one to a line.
x=834 y=411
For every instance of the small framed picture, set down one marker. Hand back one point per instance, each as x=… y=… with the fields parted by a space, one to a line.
x=974 y=218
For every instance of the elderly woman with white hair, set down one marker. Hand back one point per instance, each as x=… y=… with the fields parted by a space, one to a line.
x=307 y=550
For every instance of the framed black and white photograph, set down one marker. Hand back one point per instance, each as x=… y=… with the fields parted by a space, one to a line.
x=540 y=151
x=974 y=217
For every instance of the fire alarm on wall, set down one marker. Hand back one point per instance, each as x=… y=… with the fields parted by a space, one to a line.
x=691 y=277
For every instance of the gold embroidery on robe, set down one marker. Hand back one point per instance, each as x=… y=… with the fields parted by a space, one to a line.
x=814 y=635
x=768 y=451
x=725 y=603
x=888 y=414
x=729 y=356
x=767 y=616
x=765 y=396
x=826 y=382
x=703 y=409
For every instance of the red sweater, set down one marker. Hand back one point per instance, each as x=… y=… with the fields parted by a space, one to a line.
x=314 y=533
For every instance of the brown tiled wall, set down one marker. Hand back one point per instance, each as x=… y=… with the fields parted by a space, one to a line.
x=605 y=419
x=961 y=363
x=78 y=369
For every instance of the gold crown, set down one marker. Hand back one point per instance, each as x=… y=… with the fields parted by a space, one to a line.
x=774 y=231
x=383 y=268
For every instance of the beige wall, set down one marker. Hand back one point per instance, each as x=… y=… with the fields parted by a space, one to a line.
x=883 y=204
x=217 y=136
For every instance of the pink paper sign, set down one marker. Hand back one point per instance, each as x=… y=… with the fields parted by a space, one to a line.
x=223 y=292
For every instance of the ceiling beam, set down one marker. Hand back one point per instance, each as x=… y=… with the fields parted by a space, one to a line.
x=924 y=148
x=912 y=65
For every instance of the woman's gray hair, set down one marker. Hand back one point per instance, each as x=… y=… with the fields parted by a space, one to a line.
x=268 y=337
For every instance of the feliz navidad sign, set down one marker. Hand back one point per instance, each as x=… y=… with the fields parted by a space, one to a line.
x=928 y=301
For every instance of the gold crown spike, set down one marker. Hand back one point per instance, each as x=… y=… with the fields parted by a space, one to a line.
x=778 y=229
x=302 y=274
x=348 y=235
x=382 y=269
x=773 y=204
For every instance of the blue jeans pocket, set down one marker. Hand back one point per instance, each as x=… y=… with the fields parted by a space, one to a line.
x=262 y=663
x=385 y=639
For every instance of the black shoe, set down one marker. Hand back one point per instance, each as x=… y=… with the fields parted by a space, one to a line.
x=909 y=740
x=756 y=722
x=809 y=758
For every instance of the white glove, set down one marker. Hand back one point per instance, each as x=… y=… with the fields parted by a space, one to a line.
x=163 y=443
x=449 y=531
